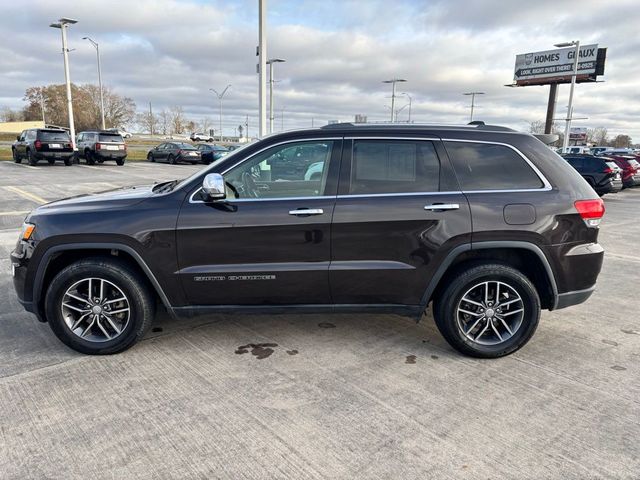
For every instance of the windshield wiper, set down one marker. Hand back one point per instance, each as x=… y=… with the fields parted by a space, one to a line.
x=165 y=187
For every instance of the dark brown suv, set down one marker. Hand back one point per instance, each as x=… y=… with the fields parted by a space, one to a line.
x=49 y=144
x=487 y=224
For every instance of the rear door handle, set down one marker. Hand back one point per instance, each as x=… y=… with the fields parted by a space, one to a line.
x=442 y=206
x=306 y=211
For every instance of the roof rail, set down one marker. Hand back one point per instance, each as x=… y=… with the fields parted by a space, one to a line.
x=477 y=125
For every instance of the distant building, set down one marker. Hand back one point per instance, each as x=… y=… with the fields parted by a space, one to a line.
x=17 y=127
x=359 y=118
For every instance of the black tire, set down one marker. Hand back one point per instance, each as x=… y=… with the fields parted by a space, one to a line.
x=446 y=305
x=150 y=157
x=16 y=157
x=33 y=161
x=88 y=156
x=69 y=160
x=51 y=161
x=141 y=303
x=120 y=161
x=172 y=160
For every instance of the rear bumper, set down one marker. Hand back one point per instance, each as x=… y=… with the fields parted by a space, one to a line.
x=54 y=155
x=576 y=297
x=110 y=155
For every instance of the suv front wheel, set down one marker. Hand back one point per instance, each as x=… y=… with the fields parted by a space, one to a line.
x=99 y=306
x=488 y=311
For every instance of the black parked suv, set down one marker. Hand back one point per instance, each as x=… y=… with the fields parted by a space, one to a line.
x=98 y=146
x=600 y=172
x=43 y=144
x=487 y=224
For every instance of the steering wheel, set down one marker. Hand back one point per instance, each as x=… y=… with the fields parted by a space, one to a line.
x=250 y=185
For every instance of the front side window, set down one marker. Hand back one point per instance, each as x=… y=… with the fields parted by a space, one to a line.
x=291 y=170
x=394 y=166
x=486 y=166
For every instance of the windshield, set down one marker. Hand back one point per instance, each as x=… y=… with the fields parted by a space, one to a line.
x=212 y=165
x=185 y=146
x=48 y=135
x=111 y=137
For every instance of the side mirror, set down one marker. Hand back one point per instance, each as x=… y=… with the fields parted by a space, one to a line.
x=213 y=186
x=18 y=137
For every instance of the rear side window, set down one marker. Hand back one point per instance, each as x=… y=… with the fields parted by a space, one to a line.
x=110 y=138
x=485 y=166
x=394 y=166
x=48 y=136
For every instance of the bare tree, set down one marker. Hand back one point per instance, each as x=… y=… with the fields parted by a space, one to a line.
x=9 y=115
x=537 y=126
x=597 y=136
x=177 y=119
x=622 y=141
x=164 y=121
x=148 y=122
x=205 y=124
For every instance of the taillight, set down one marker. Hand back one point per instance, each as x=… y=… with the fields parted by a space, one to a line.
x=591 y=211
x=98 y=146
x=608 y=170
x=38 y=145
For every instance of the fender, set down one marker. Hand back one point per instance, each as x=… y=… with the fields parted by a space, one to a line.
x=46 y=257
x=507 y=244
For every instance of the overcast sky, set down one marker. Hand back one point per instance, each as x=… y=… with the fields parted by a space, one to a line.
x=171 y=52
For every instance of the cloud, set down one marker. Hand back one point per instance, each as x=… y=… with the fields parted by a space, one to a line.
x=170 y=52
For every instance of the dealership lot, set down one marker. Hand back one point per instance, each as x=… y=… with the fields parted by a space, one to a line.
x=314 y=396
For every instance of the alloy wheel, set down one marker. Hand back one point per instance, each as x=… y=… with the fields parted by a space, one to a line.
x=95 y=309
x=490 y=313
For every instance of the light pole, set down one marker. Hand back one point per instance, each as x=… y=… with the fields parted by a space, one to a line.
x=95 y=44
x=270 y=62
x=262 y=66
x=63 y=24
x=393 y=82
x=220 y=95
x=410 y=101
x=567 y=128
x=473 y=102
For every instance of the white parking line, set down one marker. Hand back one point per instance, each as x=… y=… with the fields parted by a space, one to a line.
x=102 y=169
x=23 y=165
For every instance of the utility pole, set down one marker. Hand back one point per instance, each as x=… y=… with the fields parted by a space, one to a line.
x=393 y=82
x=270 y=62
x=567 y=128
x=63 y=24
x=95 y=44
x=262 y=66
x=220 y=95
x=473 y=102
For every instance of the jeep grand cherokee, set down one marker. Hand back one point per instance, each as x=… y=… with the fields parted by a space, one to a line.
x=485 y=223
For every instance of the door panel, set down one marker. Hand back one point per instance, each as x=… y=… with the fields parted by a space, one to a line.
x=386 y=246
x=256 y=250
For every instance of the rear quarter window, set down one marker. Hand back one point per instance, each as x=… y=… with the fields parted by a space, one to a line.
x=486 y=166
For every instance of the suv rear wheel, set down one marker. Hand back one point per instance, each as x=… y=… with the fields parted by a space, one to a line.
x=31 y=158
x=88 y=155
x=488 y=311
x=99 y=306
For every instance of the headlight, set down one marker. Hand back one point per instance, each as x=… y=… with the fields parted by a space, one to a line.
x=27 y=231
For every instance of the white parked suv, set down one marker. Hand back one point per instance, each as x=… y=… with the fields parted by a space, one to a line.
x=201 y=137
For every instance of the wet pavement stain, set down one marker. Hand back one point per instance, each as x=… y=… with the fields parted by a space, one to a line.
x=610 y=342
x=258 y=350
x=326 y=325
x=410 y=360
x=435 y=357
x=619 y=368
x=156 y=329
x=292 y=352
x=630 y=332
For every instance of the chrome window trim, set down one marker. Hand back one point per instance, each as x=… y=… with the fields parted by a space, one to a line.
x=546 y=185
x=380 y=137
x=296 y=140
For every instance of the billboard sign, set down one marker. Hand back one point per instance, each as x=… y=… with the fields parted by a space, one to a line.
x=544 y=67
x=578 y=133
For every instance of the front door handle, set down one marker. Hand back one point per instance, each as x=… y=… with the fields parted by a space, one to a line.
x=306 y=211
x=437 y=207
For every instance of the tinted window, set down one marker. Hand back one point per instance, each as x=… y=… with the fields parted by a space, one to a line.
x=575 y=162
x=184 y=146
x=482 y=166
x=593 y=164
x=48 y=135
x=110 y=137
x=290 y=170
x=394 y=166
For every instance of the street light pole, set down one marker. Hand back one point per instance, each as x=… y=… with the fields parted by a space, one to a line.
x=393 y=82
x=220 y=95
x=410 y=101
x=567 y=128
x=262 y=66
x=63 y=24
x=473 y=102
x=95 y=44
x=270 y=62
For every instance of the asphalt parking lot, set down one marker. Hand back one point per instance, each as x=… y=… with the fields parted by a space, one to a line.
x=342 y=396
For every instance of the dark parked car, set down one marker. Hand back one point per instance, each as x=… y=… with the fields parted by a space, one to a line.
x=174 y=152
x=211 y=153
x=601 y=173
x=98 y=146
x=630 y=169
x=485 y=223
x=43 y=144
